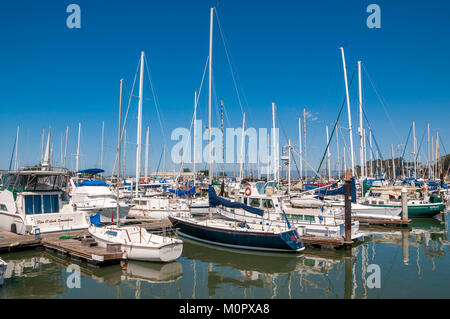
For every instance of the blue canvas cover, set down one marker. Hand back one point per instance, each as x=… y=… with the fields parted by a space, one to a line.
x=215 y=201
x=92 y=183
x=339 y=191
x=95 y=219
x=182 y=192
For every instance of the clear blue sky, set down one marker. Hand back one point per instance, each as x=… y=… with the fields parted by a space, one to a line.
x=282 y=51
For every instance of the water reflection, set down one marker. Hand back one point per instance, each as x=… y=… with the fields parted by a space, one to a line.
x=413 y=263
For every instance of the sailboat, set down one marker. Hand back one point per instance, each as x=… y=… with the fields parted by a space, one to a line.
x=233 y=234
x=136 y=242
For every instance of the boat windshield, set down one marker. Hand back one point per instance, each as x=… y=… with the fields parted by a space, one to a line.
x=31 y=182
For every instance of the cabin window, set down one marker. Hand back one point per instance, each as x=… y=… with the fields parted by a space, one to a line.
x=3 y=207
x=51 y=204
x=267 y=203
x=309 y=218
x=254 y=202
x=245 y=200
x=33 y=204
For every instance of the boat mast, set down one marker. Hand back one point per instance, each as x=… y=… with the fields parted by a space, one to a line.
x=432 y=157
x=147 y=137
x=65 y=147
x=349 y=114
x=241 y=161
x=101 y=151
x=42 y=145
x=370 y=152
x=118 y=154
x=77 y=162
x=304 y=136
x=139 y=125
x=195 y=131
x=300 y=146
x=365 y=152
x=46 y=163
x=428 y=144
x=360 y=129
x=274 y=152
x=338 y=163
x=414 y=147
x=268 y=158
x=16 y=160
x=289 y=168
x=210 y=173
x=328 y=155
x=223 y=139
x=125 y=152
x=393 y=162
x=437 y=154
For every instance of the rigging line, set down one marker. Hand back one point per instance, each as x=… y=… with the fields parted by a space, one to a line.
x=201 y=82
x=420 y=145
x=381 y=99
x=128 y=108
x=403 y=154
x=373 y=135
x=12 y=153
x=304 y=161
x=155 y=98
x=230 y=65
x=335 y=124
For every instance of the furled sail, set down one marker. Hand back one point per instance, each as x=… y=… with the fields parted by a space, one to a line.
x=215 y=201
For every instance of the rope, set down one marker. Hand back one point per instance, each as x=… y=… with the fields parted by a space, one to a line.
x=380 y=98
x=403 y=154
x=335 y=124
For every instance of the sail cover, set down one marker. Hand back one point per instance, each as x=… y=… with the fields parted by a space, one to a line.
x=215 y=201
x=339 y=191
x=182 y=192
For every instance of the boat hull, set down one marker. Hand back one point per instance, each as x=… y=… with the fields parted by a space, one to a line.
x=288 y=241
x=166 y=253
x=418 y=211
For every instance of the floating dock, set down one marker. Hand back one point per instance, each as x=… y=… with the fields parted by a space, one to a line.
x=13 y=242
x=76 y=244
x=323 y=241
x=383 y=221
x=79 y=246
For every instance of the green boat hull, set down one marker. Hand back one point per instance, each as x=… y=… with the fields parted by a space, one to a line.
x=425 y=210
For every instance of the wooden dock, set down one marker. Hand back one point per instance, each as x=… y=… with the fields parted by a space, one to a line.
x=79 y=246
x=75 y=244
x=323 y=241
x=383 y=222
x=10 y=242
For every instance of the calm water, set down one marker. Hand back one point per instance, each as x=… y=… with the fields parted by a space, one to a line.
x=414 y=264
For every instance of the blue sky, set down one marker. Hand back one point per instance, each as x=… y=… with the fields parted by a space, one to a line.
x=281 y=51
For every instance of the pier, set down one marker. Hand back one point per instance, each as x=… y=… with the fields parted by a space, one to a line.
x=77 y=244
x=383 y=221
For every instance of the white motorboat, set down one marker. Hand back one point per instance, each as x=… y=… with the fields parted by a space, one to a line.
x=137 y=243
x=33 y=200
x=93 y=196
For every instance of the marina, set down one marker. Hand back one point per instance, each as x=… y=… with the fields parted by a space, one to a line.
x=419 y=256
x=148 y=172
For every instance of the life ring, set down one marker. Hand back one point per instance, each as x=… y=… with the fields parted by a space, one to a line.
x=248 y=191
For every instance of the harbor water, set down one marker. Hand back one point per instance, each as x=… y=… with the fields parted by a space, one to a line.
x=387 y=263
